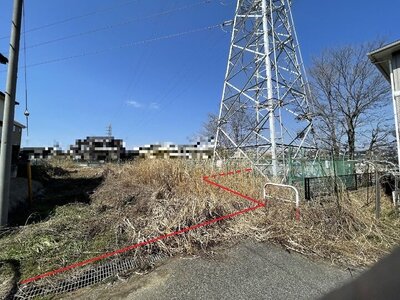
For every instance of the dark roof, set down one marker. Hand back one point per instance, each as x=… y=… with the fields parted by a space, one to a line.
x=100 y=137
x=15 y=124
x=3 y=97
x=381 y=57
x=18 y=124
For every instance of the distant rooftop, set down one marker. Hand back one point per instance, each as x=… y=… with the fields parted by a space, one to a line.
x=381 y=57
x=100 y=137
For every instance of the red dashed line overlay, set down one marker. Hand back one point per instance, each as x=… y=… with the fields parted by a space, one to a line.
x=159 y=238
x=228 y=173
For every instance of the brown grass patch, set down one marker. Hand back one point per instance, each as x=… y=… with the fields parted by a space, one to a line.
x=148 y=198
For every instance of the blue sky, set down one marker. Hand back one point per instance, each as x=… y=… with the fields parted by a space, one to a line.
x=156 y=91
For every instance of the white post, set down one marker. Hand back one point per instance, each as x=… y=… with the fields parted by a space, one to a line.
x=296 y=193
x=269 y=89
x=396 y=108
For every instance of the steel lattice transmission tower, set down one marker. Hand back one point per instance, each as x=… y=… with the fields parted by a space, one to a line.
x=264 y=114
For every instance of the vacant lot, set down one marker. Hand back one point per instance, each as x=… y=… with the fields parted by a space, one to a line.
x=86 y=211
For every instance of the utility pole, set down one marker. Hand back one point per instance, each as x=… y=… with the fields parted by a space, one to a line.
x=8 y=117
x=109 y=130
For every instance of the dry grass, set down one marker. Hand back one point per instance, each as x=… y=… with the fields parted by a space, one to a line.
x=148 y=198
x=7 y=280
x=156 y=197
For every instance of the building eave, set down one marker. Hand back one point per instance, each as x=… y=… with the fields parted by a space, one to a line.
x=19 y=125
x=3 y=96
x=381 y=57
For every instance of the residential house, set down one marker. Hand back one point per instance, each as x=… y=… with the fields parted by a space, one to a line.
x=98 y=148
x=167 y=150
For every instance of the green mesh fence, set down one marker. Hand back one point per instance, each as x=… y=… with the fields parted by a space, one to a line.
x=307 y=164
x=298 y=169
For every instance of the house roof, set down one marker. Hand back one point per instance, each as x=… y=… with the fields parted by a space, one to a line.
x=381 y=57
x=3 y=96
x=18 y=124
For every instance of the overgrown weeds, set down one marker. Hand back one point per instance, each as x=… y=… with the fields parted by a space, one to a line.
x=144 y=199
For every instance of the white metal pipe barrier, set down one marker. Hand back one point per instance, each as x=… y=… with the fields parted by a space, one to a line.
x=289 y=187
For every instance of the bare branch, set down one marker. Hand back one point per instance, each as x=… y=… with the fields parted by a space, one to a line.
x=347 y=91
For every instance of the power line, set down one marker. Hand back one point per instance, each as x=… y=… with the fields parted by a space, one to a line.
x=26 y=112
x=108 y=27
x=139 y=68
x=92 y=13
x=144 y=121
x=127 y=45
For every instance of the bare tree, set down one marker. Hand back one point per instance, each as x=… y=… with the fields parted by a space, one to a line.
x=328 y=129
x=210 y=126
x=237 y=127
x=349 y=93
x=379 y=137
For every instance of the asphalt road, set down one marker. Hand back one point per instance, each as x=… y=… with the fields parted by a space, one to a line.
x=247 y=271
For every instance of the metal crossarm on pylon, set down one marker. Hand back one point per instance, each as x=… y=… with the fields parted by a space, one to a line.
x=264 y=112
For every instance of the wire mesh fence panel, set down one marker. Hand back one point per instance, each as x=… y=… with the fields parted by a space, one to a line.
x=317 y=187
x=83 y=278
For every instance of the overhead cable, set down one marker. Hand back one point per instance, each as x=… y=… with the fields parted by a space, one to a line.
x=92 y=13
x=127 y=45
x=108 y=27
